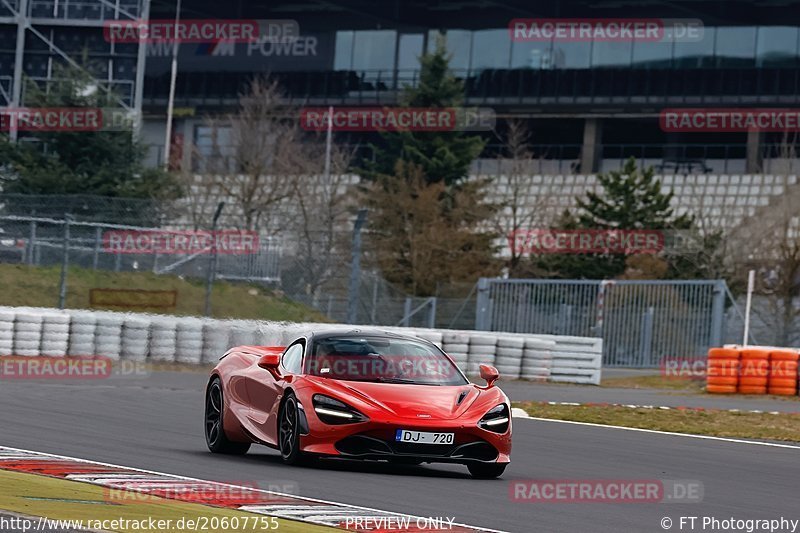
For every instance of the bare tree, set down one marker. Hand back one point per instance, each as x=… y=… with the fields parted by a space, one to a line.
x=323 y=202
x=769 y=242
x=524 y=204
x=258 y=167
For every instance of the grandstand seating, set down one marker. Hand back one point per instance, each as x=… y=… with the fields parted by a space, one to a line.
x=720 y=201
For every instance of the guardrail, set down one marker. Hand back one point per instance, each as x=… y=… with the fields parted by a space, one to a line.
x=49 y=332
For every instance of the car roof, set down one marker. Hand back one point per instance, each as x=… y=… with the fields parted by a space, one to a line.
x=366 y=332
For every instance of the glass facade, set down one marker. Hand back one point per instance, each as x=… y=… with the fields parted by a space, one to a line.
x=720 y=47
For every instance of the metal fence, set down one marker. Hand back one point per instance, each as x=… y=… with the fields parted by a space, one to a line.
x=641 y=322
x=44 y=241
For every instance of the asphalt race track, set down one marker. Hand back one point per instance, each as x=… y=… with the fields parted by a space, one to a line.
x=155 y=422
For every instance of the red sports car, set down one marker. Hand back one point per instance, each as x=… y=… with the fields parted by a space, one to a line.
x=358 y=395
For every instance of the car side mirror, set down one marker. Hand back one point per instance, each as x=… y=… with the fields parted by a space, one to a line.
x=270 y=362
x=489 y=374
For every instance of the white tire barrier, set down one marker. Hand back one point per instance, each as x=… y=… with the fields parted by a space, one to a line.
x=458 y=352
x=189 y=341
x=243 y=333
x=431 y=336
x=268 y=335
x=216 y=340
x=35 y=331
x=455 y=337
x=82 y=328
x=7 y=332
x=576 y=359
x=135 y=338
x=108 y=335
x=537 y=359
x=163 y=337
x=28 y=334
x=55 y=335
x=482 y=350
x=509 y=357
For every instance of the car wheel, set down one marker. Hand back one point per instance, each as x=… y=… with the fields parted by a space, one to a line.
x=289 y=431
x=486 y=470
x=216 y=440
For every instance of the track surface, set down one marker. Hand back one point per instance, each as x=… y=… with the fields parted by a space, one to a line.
x=155 y=423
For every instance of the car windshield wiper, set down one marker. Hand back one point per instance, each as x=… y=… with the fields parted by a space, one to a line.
x=382 y=379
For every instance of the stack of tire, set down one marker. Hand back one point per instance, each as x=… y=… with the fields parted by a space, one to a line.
x=82 y=329
x=55 y=334
x=753 y=371
x=135 y=338
x=7 y=332
x=722 y=375
x=537 y=359
x=108 y=335
x=243 y=333
x=189 y=341
x=783 y=372
x=216 y=340
x=456 y=345
x=436 y=337
x=163 y=338
x=268 y=334
x=482 y=350
x=28 y=333
x=509 y=356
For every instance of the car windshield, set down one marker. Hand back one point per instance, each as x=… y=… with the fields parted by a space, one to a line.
x=382 y=360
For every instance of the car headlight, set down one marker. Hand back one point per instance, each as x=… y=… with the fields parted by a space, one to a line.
x=333 y=411
x=496 y=420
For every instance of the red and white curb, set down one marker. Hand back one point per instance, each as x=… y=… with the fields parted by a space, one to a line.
x=655 y=407
x=247 y=499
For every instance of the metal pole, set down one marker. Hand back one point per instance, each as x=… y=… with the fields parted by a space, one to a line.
x=32 y=244
x=98 y=239
x=482 y=313
x=373 y=314
x=751 y=280
x=172 y=80
x=19 y=62
x=432 y=312
x=407 y=312
x=212 y=269
x=328 y=145
x=141 y=65
x=355 y=268
x=717 y=313
x=62 y=289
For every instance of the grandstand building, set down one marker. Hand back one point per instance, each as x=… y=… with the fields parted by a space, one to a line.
x=589 y=103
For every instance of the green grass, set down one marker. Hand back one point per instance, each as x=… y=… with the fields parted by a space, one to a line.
x=782 y=427
x=38 y=287
x=654 y=382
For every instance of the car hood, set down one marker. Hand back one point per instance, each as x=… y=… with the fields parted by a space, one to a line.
x=405 y=400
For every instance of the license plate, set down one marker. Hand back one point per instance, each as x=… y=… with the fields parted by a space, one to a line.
x=424 y=437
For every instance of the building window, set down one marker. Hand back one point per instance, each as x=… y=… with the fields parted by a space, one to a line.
x=735 y=46
x=776 y=46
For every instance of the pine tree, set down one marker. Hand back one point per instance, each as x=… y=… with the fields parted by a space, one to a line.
x=107 y=163
x=631 y=198
x=442 y=156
